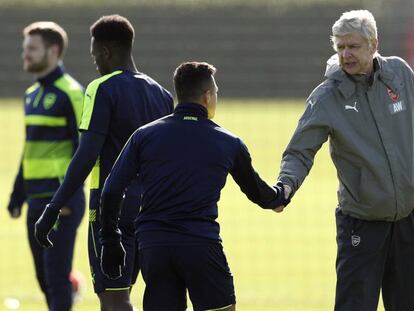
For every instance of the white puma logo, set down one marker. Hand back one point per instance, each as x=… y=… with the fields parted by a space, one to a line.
x=354 y=107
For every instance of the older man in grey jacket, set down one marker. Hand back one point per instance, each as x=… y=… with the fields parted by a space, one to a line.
x=365 y=108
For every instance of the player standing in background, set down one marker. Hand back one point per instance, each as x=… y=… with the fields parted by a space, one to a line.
x=365 y=108
x=53 y=107
x=115 y=105
x=183 y=161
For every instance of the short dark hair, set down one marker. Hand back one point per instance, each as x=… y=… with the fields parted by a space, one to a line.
x=50 y=32
x=192 y=79
x=114 y=29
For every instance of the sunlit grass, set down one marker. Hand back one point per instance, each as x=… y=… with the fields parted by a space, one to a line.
x=283 y=262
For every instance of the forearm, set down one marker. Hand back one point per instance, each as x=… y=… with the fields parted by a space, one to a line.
x=18 y=195
x=264 y=195
x=297 y=160
x=110 y=211
x=123 y=171
x=79 y=168
x=294 y=168
x=256 y=189
x=76 y=174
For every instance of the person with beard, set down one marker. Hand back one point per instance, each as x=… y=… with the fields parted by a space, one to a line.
x=53 y=107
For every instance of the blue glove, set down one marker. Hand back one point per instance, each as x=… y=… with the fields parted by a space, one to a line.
x=45 y=224
x=112 y=259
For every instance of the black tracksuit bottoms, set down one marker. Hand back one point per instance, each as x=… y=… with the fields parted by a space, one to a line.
x=374 y=256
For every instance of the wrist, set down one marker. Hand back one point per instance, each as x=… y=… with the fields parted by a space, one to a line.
x=110 y=236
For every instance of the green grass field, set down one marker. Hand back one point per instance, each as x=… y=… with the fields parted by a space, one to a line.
x=281 y=262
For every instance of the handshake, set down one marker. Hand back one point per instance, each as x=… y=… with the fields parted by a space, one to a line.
x=283 y=196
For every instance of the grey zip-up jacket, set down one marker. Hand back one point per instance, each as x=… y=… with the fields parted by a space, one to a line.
x=370 y=130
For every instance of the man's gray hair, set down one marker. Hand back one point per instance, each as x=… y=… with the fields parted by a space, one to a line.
x=359 y=21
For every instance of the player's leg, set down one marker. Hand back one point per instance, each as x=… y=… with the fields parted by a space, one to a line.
x=164 y=288
x=136 y=267
x=34 y=211
x=58 y=259
x=113 y=294
x=362 y=250
x=115 y=300
x=207 y=276
x=398 y=282
x=130 y=210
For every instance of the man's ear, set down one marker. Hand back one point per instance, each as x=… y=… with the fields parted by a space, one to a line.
x=106 y=52
x=205 y=98
x=54 y=50
x=374 y=45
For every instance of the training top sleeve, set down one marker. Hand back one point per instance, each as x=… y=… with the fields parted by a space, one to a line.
x=257 y=190
x=124 y=170
x=312 y=131
x=18 y=195
x=79 y=168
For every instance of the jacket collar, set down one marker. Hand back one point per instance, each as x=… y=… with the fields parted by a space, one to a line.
x=52 y=76
x=192 y=109
x=346 y=84
x=390 y=79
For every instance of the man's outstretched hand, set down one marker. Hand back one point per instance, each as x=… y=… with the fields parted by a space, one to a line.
x=285 y=190
x=45 y=224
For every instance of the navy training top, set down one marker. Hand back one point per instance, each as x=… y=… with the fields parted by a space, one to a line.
x=53 y=107
x=115 y=106
x=182 y=161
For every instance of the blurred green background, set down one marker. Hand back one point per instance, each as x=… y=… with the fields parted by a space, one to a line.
x=280 y=261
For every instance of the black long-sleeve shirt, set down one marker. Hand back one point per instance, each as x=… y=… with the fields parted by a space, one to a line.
x=182 y=161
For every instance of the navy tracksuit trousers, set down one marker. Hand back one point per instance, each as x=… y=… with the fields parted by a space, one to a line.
x=374 y=255
x=53 y=265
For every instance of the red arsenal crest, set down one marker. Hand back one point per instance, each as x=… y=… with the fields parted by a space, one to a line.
x=392 y=95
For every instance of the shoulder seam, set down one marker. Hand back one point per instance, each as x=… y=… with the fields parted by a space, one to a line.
x=32 y=88
x=104 y=78
x=327 y=84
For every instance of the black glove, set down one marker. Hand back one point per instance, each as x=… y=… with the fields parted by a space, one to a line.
x=112 y=252
x=45 y=224
x=15 y=209
x=112 y=259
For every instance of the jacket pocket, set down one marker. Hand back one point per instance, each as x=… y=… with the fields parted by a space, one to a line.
x=349 y=182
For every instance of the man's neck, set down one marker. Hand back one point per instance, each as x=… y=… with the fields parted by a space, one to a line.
x=44 y=73
x=128 y=64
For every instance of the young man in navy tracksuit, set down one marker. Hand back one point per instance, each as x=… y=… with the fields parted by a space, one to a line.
x=182 y=161
x=115 y=105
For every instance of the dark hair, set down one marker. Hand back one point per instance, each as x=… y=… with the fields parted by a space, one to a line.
x=113 y=29
x=50 y=32
x=192 y=79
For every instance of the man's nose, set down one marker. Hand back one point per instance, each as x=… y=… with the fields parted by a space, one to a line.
x=346 y=53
